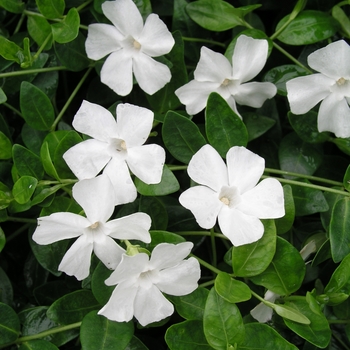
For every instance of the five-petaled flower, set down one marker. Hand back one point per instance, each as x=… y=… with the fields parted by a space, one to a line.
x=141 y=280
x=130 y=44
x=231 y=193
x=94 y=232
x=214 y=73
x=116 y=147
x=331 y=86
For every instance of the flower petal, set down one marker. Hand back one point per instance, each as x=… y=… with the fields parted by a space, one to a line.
x=166 y=255
x=134 y=226
x=265 y=201
x=244 y=168
x=124 y=15
x=116 y=72
x=124 y=188
x=150 y=74
x=304 y=93
x=151 y=306
x=155 y=39
x=212 y=67
x=76 y=261
x=194 y=95
x=207 y=168
x=86 y=159
x=238 y=227
x=262 y=312
x=134 y=124
x=120 y=306
x=203 y=203
x=96 y=197
x=102 y=39
x=59 y=226
x=180 y=279
x=254 y=94
x=147 y=162
x=95 y=121
x=334 y=116
x=332 y=60
x=249 y=57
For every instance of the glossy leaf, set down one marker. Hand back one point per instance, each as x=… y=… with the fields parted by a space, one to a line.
x=101 y=291
x=285 y=223
x=97 y=332
x=257 y=125
x=37 y=344
x=339 y=14
x=2 y=239
x=339 y=282
x=51 y=9
x=181 y=137
x=67 y=30
x=224 y=128
x=223 y=325
x=40 y=30
x=26 y=162
x=230 y=289
x=24 y=188
x=5 y=146
x=6 y=295
x=346 y=179
x=14 y=6
x=3 y=97
x=289 y=313
x=161 y=236
x=47 y=161
x=10 y=51
x=156 y=210
x=9 y=324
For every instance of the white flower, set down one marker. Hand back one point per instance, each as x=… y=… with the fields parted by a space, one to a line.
x=231 y=193
x=94 y=232
x=141 y=280
x=130 y=44
x=331 y=86
x=116 y=147
x=214 y=73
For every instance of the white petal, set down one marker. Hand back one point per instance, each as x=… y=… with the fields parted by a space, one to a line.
x=134 y=124
x=95 y=121
x=334 y=116
x=155 y=39
x=124 y=15
x=254 y=94
x=238 y=227
x=124 y=188
x=194 y=95
x=150 y=74
x=59 y=226
x=151 y=306
x=207 y=168
x=147 y=162
x=262 y=313
x=181 y=279
x=203 y=203
x=166 y=255
x=212 y=67
x=116 y=72
x=265 y=201
x=232 y=103
x=76 y=261
x=108 y=251
x=332 y=60
x=120 y=306
x=96 y=197
x=134 y=226
x=249 y=57
x=244 y=168
x=304 y=93
x=102 y=39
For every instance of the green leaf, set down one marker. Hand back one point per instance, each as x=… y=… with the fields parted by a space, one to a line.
x=224 y=128
x=67 y=30
x=214 y=15
x=51 y=9
x=289 y=313
x=317 y=332
x=2 y=239
x=136 y=344
x=14 y=6
x=24 y=188
x=308 y=27
x=346 y=179
x=43 y=192
x=286 y=272
x=38 y=344
x=252 y=259
x=26 y=162
x=343 y=20
x=5 y=146
x=11 y=51
x=32 y=138
x=230 y=289
x=160 y=236
x=167 y=185
x=257 y=125
x=3 y=97
x=101 y=291
x=191 y=306
x=9 y=324
x=285 y=223
x=39 y=29
x=47 y=162
x=223 y=325
x=73 y=307
x=339 y=282
x=156 y=210
x=6 y=295
x=36 y=107
x=181 y=137
x=187 y=335
x=97 y=332
x=262 y=336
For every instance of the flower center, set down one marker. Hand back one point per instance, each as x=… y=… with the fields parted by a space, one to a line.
x=225 y=200
x=148 y=278
x=341 y=81
x=94 y=226
x=341 y=88
x=229 y=195
x=226 y=82
x=122 y=146
x=117 y=148
x=136 y=45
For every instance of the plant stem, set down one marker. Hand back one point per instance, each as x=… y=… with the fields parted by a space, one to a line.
x=177 y=167
x=41 y=48
x=200 y=233
x=200 y=40
x=213 y=247
x=207 y=265
x=340 y=341
x=206 y=284
x=31 y=71
x=17 y=232
x=13 y=109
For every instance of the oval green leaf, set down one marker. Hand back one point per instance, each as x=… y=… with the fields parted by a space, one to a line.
x=67 y=30
x=9 y=324
x=26 y=162
x=5 y=146
x=24 y=188
x=51 y=9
